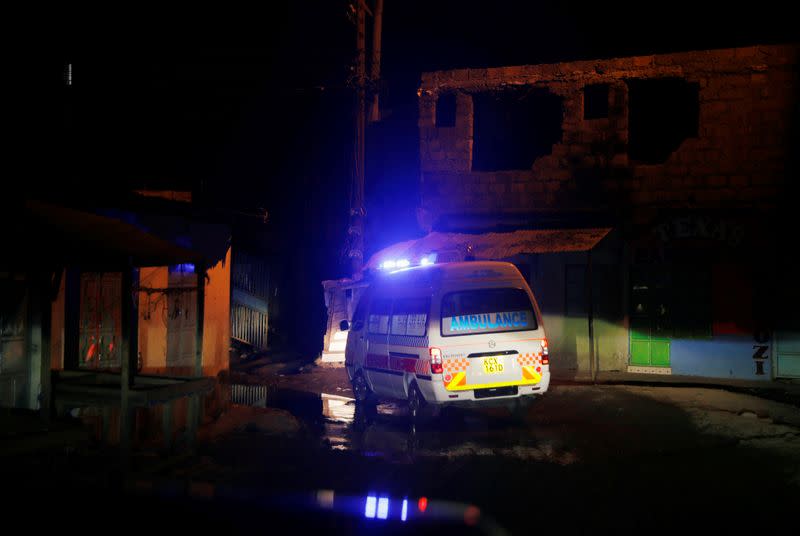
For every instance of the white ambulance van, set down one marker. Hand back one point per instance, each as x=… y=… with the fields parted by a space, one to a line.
x=466 y=333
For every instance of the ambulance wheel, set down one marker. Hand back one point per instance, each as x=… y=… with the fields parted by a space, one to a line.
x=415 y=400
x=361 y=391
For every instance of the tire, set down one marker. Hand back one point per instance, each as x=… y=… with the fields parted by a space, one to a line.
x=415 y=401
x=361 y=391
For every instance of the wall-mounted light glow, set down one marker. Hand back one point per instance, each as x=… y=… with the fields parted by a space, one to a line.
x=383 y=508
x=403 y=263
x=186 y=267
x=369 y=508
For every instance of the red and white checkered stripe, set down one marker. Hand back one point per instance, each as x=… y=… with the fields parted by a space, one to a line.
x=455 y=364
x=529 y=360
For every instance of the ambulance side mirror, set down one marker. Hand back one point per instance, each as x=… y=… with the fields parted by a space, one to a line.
x=344 y=325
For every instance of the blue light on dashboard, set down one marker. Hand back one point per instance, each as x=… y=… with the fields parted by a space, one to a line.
x=369 y=509
x=404 y=511
x=383 y=508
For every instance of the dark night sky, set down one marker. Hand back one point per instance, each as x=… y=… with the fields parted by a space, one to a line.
x=252 y=108
x=230 y=102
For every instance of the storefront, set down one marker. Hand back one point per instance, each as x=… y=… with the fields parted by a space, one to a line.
x=699 y=300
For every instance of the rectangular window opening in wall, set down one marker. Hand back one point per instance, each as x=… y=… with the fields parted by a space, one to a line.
x=512 y=128
x=595 y=101
x=661 y=114
x=446 y=110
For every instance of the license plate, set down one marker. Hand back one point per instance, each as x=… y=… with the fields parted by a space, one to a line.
x=492 y=365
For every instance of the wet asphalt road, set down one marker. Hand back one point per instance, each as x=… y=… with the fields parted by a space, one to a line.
x=583 y=459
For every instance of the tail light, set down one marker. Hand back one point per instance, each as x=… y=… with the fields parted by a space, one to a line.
x=545 y=353
x=436 y=360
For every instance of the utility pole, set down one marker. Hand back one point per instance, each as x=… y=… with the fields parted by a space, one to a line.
x=375 y=66
x=357 y=209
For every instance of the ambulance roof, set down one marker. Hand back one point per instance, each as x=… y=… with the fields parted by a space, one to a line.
x=431 y=275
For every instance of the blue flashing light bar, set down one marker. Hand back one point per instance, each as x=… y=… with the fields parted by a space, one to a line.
x=404 y=511
x=393 y=264
x=383 y=508
x=369 y=508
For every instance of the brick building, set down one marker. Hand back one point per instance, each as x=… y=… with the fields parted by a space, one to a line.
x=685 y=156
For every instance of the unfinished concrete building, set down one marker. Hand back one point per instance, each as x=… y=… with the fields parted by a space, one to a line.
x=686 y=157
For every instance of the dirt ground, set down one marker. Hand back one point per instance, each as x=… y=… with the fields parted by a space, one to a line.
x=728 y=416
x=585 y=458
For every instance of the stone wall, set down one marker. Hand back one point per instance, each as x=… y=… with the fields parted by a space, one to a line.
x=738 y=158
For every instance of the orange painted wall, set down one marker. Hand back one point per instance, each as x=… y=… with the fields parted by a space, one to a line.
x=217 y=328
x=153 y=328
x=152 y=324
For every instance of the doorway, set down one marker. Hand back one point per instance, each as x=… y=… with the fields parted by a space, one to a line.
x=650 y=311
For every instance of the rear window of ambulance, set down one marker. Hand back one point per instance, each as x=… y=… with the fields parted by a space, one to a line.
x=410 y=316
x=490 y=310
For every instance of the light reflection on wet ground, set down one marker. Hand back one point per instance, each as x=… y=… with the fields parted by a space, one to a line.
x=387 y=431
x=338 y=413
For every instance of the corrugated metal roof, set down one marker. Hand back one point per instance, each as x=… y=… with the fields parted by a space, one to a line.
x=62 y=234
x=491 y=246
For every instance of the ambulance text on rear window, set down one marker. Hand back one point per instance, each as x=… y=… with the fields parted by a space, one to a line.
x=490 y=310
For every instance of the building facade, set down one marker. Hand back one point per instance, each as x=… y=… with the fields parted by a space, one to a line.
x=688 y=157
x=118 y=316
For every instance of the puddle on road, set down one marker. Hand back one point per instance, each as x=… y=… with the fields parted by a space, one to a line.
x=338 y=413
x=388 y=432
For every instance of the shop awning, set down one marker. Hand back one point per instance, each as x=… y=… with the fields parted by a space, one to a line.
x=48 y=233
